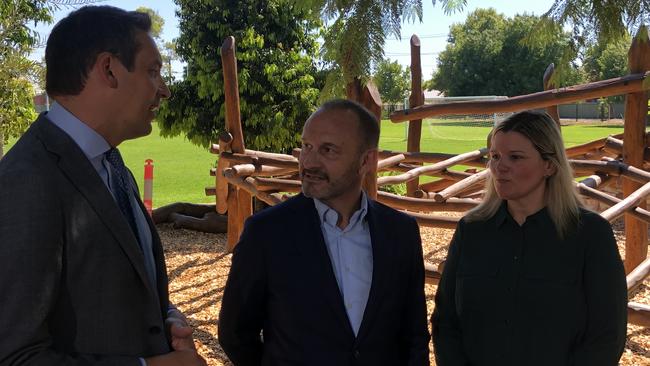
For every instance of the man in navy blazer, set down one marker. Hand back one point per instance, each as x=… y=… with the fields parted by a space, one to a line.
x=328 y=277
x=82 y=271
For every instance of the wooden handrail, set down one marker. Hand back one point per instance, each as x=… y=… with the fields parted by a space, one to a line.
x=604 y=88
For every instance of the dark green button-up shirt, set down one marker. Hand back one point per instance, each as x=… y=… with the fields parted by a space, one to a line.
x=520 y=295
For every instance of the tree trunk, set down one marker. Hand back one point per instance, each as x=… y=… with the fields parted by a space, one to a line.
x=353 y=90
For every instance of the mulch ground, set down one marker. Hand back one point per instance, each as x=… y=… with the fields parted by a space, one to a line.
x=198 y=267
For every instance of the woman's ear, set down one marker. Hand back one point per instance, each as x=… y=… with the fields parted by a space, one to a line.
x=549 y=168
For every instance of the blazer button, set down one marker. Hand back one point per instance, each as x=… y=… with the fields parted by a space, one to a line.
x=356 y=354
x=155 y=330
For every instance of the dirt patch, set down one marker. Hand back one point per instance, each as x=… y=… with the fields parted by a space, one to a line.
x=198 y=267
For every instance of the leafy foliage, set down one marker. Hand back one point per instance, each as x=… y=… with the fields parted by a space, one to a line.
x=486 y=55
x=606 y=61
x=357 y=31
x=16 y=70
x=393 y=81
x=276 y=49
x=601 y=20
x=157 y=22
x=594 y=21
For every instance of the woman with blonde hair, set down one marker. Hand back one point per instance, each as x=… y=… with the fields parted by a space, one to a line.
x=531 y=277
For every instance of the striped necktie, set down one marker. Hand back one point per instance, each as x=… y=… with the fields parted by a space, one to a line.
x=121 y=187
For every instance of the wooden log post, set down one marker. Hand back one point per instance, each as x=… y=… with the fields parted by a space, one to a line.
x=240 y=202
x=372 y=101
x=415 y=100
x=549 y=84
x=225 y=140
x=636 y=115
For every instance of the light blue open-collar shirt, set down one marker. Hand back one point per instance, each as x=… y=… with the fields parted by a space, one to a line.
x=94 y=146
x=350 y=251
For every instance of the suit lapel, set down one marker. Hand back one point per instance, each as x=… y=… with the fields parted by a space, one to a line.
x=382 y=266
x=84 y=177
x=310 y=243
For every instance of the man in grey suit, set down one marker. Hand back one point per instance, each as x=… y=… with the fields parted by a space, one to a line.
x=83 y=278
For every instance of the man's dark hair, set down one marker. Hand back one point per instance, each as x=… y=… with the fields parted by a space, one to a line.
x=77 y=40
x=368 y=123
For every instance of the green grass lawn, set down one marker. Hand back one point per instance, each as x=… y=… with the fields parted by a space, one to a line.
x=459 y=138
x=182 y=170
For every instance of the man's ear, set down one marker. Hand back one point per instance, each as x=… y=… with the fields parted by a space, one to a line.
x=369 y=160
x=104 y=69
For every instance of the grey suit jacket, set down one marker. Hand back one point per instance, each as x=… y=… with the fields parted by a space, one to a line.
x=73 y=286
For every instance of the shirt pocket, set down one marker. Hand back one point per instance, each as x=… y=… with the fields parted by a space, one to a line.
x=476 y=281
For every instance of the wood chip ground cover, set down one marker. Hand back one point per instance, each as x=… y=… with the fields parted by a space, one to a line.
x=198 y=268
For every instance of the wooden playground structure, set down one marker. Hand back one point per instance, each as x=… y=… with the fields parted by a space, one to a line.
x=271 y=177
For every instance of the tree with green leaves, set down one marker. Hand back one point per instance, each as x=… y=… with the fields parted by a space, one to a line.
x=606 y=60
x=276 y=53
x=18 y=73
x=16 y=70
x=486 y=55
x=157 y=22
x=355 y=38
x=167 y=48
x=393 y=81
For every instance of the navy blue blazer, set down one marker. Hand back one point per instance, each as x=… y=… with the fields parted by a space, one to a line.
x=282 y=304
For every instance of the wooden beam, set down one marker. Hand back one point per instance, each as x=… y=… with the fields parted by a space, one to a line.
x=431 y=274
x=274 y=184
x=433 y=187
x=607 y=199
x=412 y=174
x=415 y=100
x=582 y=149
x=638 y=314
x=605 y=88
x=636 y=115
x=233 y=222
x=634 y=199
x=428 y=205
x=247 y=183
x=636 y=277
x=462 y=186
x=244 y=200
x=225 y=145
x=260 y=160
x=426 y=157
x=439 y=221
x=372 y=101
x=390 y=161
x=616 y=146
x=255 y=170
x=615 y=168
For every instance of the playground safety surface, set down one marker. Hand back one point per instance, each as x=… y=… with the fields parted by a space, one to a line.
x=198 y=267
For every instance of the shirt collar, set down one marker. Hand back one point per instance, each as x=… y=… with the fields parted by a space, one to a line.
x=502 y=215
x=90 y=142
x=328 y=215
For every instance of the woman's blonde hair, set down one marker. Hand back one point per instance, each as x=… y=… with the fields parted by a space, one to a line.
x=560 y=195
